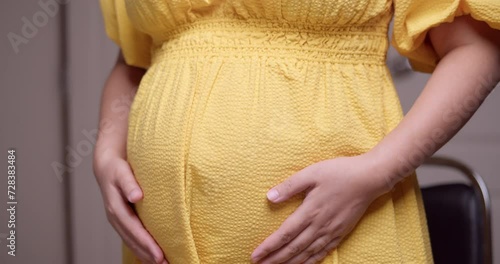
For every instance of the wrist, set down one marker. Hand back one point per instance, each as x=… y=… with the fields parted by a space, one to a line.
x=374 y=169
x=387 y=167
x=105 y=152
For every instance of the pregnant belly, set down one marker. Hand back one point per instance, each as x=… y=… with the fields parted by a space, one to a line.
x=207 y=139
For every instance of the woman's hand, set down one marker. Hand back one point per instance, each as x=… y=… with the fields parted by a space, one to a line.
x=118 y=188
x=338 y=192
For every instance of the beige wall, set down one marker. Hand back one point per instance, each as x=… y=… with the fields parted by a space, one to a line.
x=91 y=57
x=31 y=122
x=477 y=144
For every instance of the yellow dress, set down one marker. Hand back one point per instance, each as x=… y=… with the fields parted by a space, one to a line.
x=241 y=94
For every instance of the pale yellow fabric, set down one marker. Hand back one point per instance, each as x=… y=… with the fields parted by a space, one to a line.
x=413 y=19
x=239 y=95
x=135 y=45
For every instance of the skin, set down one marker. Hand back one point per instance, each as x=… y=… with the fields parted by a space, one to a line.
x=111 y=169
x=452 y=94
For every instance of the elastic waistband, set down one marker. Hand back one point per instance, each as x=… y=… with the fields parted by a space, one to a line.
x=240 y=38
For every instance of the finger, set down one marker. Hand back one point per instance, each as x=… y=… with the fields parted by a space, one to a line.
x=313 y=248
x=294 y=247
x=322 y=253
x=139 y=244
x=133 y=231
x=127 y=183
x=141 y=253
x=294 y=184
x=289 y=229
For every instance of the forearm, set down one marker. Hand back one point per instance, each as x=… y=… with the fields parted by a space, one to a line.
x=464 y=77
x=116 y=99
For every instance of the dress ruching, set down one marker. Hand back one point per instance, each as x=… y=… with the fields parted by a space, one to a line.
x=239 y=95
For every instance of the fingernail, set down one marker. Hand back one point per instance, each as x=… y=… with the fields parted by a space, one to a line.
x=133 y=194
x=255 y=258
x=272 y=194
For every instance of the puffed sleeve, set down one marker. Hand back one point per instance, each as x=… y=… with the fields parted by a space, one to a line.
x=413 y=19
x=135 y=44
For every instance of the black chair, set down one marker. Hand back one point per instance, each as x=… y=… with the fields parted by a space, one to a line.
x=459 y=217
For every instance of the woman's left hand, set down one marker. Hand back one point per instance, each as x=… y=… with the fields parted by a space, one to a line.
x=338 y=192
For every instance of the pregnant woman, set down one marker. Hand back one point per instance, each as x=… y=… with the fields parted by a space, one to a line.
x=266 y=131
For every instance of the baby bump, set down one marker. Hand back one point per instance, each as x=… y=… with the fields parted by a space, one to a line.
x=209 y=139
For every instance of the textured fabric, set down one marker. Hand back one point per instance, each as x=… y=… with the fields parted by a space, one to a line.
x=135 y=45
x=239 y=95
x=412 y=20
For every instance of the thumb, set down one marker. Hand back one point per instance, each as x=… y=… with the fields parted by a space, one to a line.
x=128 y=185
x=295 y=184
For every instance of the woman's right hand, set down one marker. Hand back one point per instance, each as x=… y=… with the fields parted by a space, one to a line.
x=116 y=180
x=119 y=189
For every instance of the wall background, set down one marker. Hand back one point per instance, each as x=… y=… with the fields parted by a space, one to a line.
x=31 y=122
x=54 y=226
